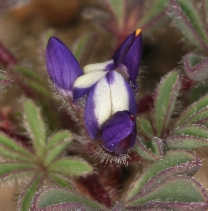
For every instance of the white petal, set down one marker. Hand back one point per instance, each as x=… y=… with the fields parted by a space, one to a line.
x=110 y=98
x=89 y=79
x=96 y=67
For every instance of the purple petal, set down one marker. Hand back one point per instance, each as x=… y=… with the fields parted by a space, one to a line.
x=119 y=132
x=110 y=95
x=129 y=54
x=91 y=121
x=62 y=66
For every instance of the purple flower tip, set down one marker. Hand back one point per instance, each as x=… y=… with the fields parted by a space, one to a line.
x=62 y=66
x=119 y=132
x=129 y=53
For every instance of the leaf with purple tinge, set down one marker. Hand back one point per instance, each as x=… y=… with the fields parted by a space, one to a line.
x=168 y=161
x=188 y=137
x=143 y=151
x=54 y=198
x=176 y=191
x=144 y=127
x=165 y=100
x=26 y=197
x=170 y=206
x=197 y=117
x=195 y=67
x=192 y=110
x=119 y=206
x=157 y=146
x=187 y=19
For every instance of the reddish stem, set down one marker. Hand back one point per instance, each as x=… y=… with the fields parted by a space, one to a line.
x=6 y=58
x=96 y=189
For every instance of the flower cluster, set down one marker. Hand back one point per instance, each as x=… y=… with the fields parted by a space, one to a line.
x=110 y=86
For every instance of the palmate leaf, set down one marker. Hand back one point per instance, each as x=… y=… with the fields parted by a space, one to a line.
x=29 y=192
x=192 y=110
x=11 y=155
x=60 y=180
x=12 y=146
x=166 y=96
x=187 y=19
x=12 y=170
x=70 y=166
x=56 y=144
x=188 y=137
x=35 y=126
x=171 y=164
x=175 y=191
x=55 y=199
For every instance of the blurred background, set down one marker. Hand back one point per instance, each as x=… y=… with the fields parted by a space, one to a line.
x=26 y=25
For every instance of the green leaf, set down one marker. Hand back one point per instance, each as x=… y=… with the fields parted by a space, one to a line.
x=9 y=170
x=179 y=189
x=188 y=21
x=13 y=155
x=81 y=46
x=157 y=146
x=57 y=138
x=29 y=192
x=61 y=181
x=35 y=126
x=145 y=153
x=29 y=73
x=195 y=67
x=166 y=95
x=145 y=127
x=58 y=196
x=54 y=152
x=8 y=143
x=70 y=167
x=188 y=137
x=39 y=88
x=117 y=8
x=154 y=12
x=197 y=117
x=171 y=159
x=192 y=110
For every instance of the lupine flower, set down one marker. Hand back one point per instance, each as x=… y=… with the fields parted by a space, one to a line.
x=62 y=66
x=110 y=105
